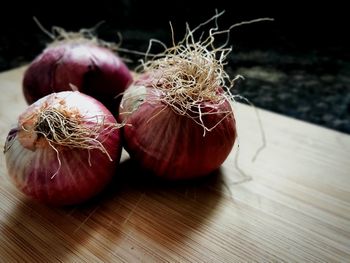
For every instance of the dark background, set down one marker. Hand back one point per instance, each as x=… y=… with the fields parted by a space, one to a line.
x=298 y=65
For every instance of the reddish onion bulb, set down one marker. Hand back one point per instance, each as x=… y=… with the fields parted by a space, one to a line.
x=64 y=149
x=179 y=123
x=171 y=145
x=92 y=69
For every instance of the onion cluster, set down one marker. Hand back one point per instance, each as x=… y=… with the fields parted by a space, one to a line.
x=177 y=119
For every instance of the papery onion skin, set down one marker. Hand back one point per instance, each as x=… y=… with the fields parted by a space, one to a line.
x=92 y=69
x=172 y=146
x=33 y=164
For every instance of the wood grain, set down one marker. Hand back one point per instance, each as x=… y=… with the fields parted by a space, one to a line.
x=291 y=204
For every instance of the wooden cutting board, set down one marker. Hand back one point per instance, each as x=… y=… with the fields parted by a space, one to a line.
x=291 y=204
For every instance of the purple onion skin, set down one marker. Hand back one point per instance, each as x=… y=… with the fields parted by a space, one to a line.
x=33 y=165
x=93 y=70
x=172 y=146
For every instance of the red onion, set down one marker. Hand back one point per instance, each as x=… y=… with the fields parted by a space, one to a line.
x=92 y=69
x=179 y=123
x=64 y=149
x=171 y=145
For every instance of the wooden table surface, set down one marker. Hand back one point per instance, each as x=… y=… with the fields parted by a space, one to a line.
x=291 y=204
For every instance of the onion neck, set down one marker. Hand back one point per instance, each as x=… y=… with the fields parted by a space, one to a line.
x=31 y=140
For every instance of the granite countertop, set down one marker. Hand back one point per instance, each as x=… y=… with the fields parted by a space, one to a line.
x=311 y=86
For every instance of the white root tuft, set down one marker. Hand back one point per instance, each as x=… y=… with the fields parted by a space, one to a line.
x=62 y=127
x=191 y=73
x=84 y=36
x=73 y=130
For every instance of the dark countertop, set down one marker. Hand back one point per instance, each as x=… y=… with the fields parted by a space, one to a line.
x=299 y=68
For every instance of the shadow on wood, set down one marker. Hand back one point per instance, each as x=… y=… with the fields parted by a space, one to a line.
x=135 y=206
